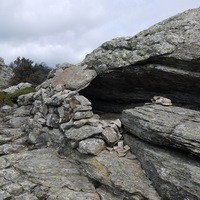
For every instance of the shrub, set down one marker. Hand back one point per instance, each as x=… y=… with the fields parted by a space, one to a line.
x=26 y=70
x=11 y=98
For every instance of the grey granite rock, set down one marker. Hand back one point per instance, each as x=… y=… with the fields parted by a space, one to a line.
x=174 y=175
x=43 y=174
x=169 y=126
x=162 y=60
x=91 y=146
x=74 y=78
x=83 y=132
x=120 y=176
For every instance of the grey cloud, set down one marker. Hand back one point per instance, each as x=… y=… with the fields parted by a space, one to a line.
x=66 y=30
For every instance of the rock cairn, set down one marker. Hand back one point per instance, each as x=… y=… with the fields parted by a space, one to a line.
x=61 y=116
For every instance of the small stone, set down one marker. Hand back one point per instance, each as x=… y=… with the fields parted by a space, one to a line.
x=120 y=144
x=109 y=149
x=82 y=132
x=110 y=135
x=82 y=115
x=80 y=108
x=161 y=100
x=66 y=126
x=117 y=122
x=90 y=121
x=91 y=146
x=83 y=101
x=130 y=156
x=126 y=148
x=52 y=120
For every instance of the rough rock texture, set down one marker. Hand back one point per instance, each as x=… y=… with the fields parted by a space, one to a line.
x=123 y=177
x=5 y=74
x=60 y=119
x=42 y=174
x=15 y=88
x=31 y=168
x=174 y=175
x=169 y=126
x=162 y=60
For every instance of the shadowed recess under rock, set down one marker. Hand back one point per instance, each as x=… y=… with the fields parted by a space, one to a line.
x=130 y=86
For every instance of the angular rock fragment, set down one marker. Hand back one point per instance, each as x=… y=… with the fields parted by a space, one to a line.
x=111 y=136
x=123 y=176
x=83 y=132
x=91 y=146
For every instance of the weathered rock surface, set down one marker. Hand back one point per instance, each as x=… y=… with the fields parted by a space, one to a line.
x=168 y=126
x=71 y=77
x=41 y=174
x=5 y=74
x=174 y=175
x=162 y=60
x=15 y=88
x=121 y=176
x=91 y=146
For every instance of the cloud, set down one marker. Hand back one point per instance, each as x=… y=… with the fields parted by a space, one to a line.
x=66 y=30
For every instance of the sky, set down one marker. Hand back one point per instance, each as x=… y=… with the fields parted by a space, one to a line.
x=58 y=31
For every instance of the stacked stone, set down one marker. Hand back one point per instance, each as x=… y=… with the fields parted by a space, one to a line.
x=63 y=117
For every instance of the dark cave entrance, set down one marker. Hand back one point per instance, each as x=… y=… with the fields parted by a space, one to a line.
x=132 y=86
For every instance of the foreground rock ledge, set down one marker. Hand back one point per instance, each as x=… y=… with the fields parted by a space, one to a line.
x=168 y=126
x=122 y=176
x=174 y=175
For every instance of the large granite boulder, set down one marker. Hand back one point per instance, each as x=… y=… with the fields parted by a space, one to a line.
x=162 y=60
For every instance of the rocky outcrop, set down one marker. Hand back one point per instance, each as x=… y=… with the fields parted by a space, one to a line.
x=168 y=126
x=5 y=74
x=174 y=174
x=55 y=141
x=162 y=60
x=30 y=171
x=122 y=176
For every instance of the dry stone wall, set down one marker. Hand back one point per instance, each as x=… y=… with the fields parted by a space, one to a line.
x=57 y=105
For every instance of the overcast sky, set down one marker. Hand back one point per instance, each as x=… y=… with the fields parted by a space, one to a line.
x=57 y=31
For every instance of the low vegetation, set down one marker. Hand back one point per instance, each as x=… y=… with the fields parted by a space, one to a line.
x=11 y=98
x=25 y=70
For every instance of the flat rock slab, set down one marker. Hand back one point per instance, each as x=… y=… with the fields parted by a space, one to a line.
x=74 y=78
x=169 y=126
x=43 y=174
x=120 y=175
x=174 y=175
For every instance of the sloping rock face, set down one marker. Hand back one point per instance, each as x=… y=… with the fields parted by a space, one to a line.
x=169 y=126
x=5 y=74
x=168 y=130
x=54 y=139
x=174 y=174
x=162 y=60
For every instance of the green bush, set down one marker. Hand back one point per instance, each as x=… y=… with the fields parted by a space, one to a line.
x=25 y=70
x=11 y=98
